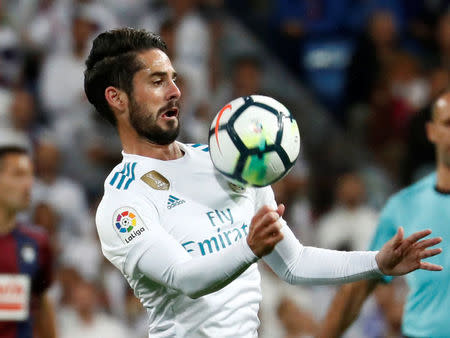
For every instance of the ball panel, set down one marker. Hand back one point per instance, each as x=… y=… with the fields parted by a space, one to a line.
x=226 y=112
x=224 y=153
x=256 y=127
x=271 y=102
x=290 y=141
x=263 y=170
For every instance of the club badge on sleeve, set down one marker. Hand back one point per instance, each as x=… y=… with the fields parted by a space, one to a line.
x=128 y=224
x=155 y=180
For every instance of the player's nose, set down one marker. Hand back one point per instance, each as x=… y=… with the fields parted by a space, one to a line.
x=173 y=91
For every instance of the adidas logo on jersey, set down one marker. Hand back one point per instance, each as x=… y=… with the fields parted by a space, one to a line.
x=174 y=201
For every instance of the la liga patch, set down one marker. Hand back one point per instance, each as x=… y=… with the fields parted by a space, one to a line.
x=128 y=224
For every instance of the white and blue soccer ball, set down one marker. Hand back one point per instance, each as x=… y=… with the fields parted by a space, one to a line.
x=254 y=141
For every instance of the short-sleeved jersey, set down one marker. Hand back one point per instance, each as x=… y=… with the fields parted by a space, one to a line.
x=25 y=273
x=418 y=207
x=206 y=215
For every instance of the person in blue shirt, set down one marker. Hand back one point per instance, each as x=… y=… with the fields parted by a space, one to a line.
x=423 y=204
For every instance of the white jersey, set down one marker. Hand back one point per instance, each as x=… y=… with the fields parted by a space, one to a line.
x=195 y=205
x=185 y=206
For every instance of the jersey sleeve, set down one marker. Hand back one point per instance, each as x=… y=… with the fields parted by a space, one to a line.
x=385 y=230
x=127 y=225
x=298 y=264
x=135 y=242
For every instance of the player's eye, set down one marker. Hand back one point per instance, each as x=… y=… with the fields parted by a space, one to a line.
x=157 y=82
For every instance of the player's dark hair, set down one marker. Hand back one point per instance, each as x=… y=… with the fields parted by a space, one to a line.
x=113 y=62
x=11 y=149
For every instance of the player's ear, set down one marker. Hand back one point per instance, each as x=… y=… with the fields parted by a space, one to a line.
x=431 y=132
x=116 y=98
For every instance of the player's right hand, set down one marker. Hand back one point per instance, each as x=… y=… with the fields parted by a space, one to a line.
x=265 y=230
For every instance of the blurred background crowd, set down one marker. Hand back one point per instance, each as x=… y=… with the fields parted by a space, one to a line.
x=358 y=75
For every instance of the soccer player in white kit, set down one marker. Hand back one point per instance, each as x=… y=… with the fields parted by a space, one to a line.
x=185 y=239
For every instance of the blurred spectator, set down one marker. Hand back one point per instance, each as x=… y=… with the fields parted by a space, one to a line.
x=85 y=319
x=196 y=118
x=167 y=30
x=349 y=225
x=283 y=308
x=11 y=56
x=191 y=43
x=61 y=291
x=428 y=24
x=441 y=56
x=61 y=81
x=128 y=11
x=95 y=153
x=380 y=125
x=192 y=46
x=116 y=292
x=23 y=113
x=44 y=216
x=48 y=27
x=420 y=154
x=295 y=321
x=293 y=191
x=408 y=84
x=247 y=73
x=136 y=315
x=373 y=52
x=297 y=20
x=11 y=63
x=56 y=190
x=360 y=12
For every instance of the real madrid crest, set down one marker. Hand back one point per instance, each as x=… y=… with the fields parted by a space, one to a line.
x=155 y=180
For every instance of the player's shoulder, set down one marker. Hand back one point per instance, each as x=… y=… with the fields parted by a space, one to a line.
x=122 y=176
x=135 y=182
x=196 y=149
x=415 y=190
x=127 y=178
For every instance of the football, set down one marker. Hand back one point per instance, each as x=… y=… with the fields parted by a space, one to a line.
x=254 y=141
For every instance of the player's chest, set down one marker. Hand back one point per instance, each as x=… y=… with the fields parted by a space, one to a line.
x=206 y=221
x=18 y=266
x=437 y=219
x=18 y=256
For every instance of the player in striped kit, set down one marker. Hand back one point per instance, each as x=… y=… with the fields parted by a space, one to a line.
x=25 y=259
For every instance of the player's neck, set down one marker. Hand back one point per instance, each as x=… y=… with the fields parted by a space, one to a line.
x=7 y=220
x=167 y=152
x=443 y=178
x=132 y=143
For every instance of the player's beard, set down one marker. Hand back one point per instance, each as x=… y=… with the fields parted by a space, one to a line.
x=146 y=124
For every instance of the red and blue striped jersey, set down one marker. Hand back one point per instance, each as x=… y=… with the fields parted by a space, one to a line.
x=25 y=273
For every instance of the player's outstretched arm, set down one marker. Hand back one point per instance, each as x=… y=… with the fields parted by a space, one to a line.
x=402 y=255
x=166 y=262
x=45 y=318
x=345 y=308
x=298 y=264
